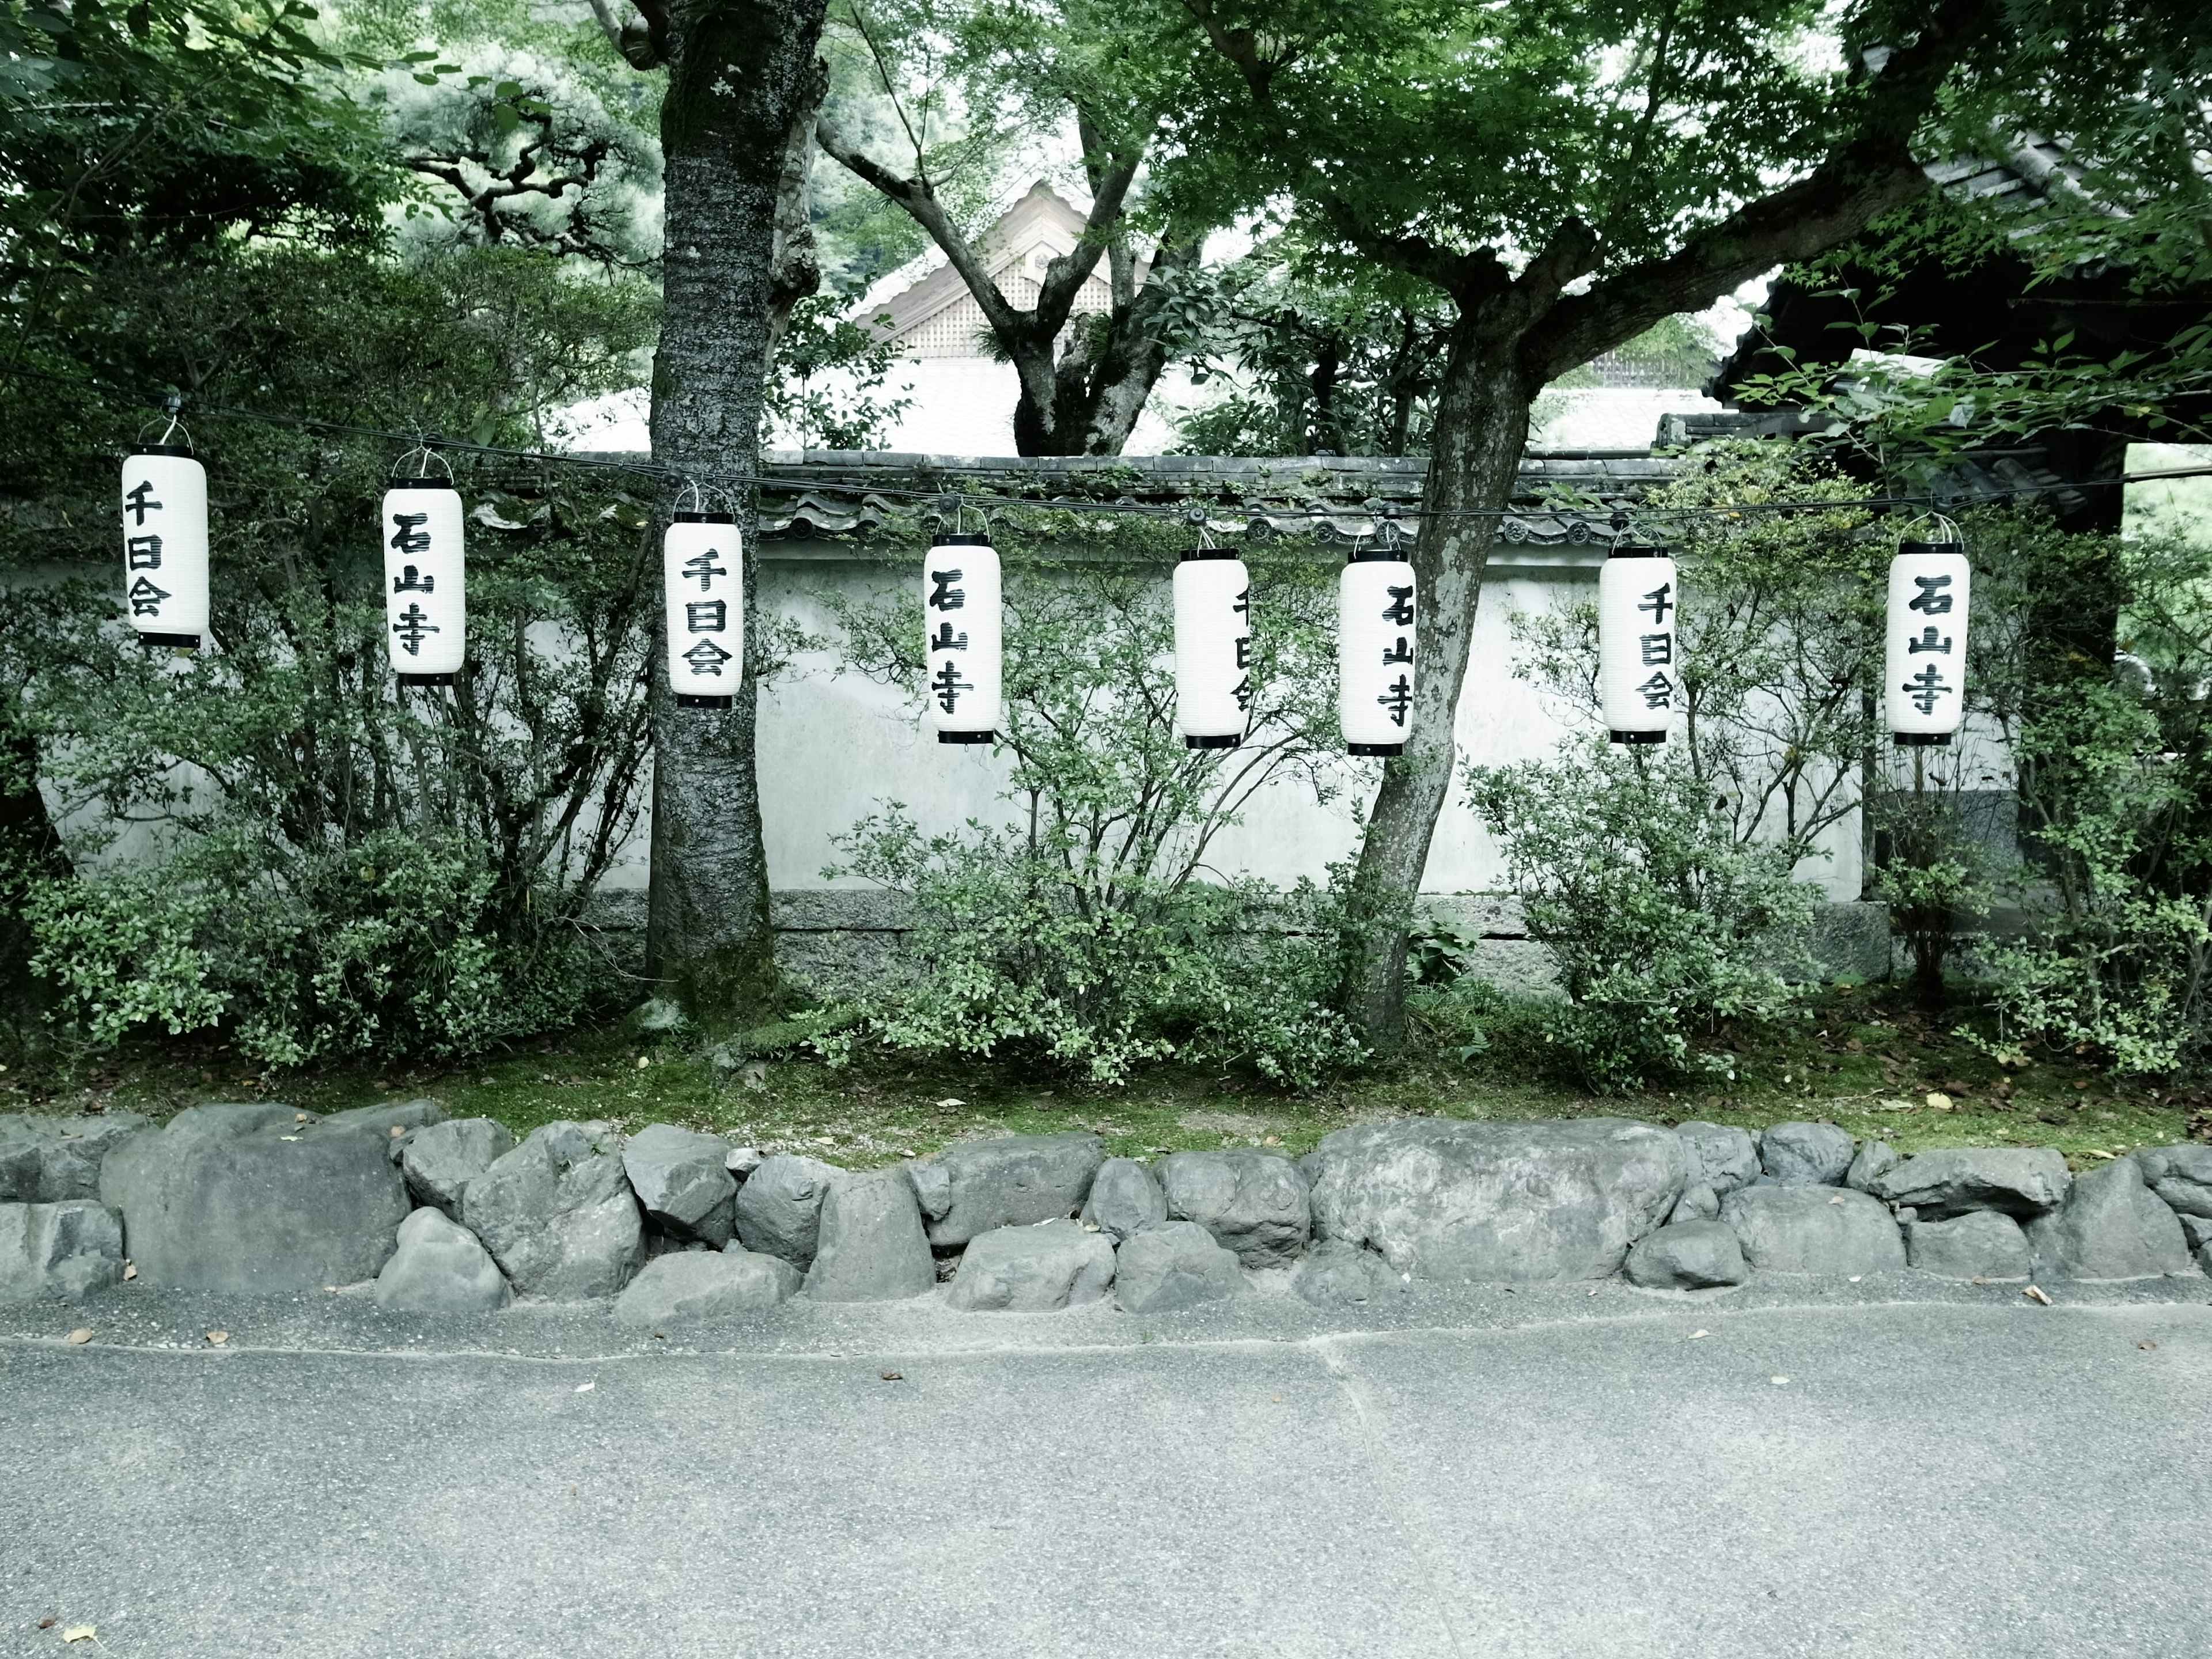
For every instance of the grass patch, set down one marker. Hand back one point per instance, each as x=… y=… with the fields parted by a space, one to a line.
x=1860 y=1058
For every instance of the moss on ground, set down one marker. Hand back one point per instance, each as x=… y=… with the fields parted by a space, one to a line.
x=1859 y=1058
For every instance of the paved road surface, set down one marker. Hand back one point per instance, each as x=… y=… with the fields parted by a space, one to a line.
x=1544 y=1475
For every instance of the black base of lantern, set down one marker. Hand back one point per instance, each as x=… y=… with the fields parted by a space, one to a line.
x=965 y=737
x=686 y=700
x=1921 y=739
x=174 y=642
x=1375 y=749
x=1211 y=742
x=1636 y=737
x=426 y=679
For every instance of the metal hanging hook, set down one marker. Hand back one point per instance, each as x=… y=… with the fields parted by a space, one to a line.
x=1196 y=516
x=170 y=406
x=691 y=489
x=427 y=450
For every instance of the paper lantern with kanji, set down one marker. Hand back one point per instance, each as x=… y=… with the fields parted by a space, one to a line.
x=1212 y=648
x=960 y=640
x=425 y=598
x=1925 y=685
x=164 y=544
x=1638 y=659
x=704 y=583
x=1374 y=614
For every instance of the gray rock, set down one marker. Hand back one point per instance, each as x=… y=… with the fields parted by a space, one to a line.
x=1814 y=1230
x=1335 y=1274
x=682 y=1179
x=1727 y=1156
x=779 y=1209
x=2021 y=1181
x=441 y=1267
x=58 y=1252
x=2196 y=1229
x=2182 y=1176
x=1009 y=1182
x=1688 y=1255
x=1039 y=1269
x=439 y=1160
x=2204 y=1260
x=706 y=1284
x=381 y=1120
x=743 y=1161
x=52 y=1160
x=2110 y=1225
x=1980 y=1245
x=1175 y=1265
x=253 y=1201
x=871 y=1247
x=1875 y=1160
x=573 y=1142
x=562 y=1227
x=1806 y=1154
x=1125 y=1199
x=1252 y=1200
x=1518 y=1202
x=1699 y=1202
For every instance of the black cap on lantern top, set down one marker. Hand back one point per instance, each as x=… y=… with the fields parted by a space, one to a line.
x=182 y=450
x=420 y=483
x=1373 y=555
x=1625 y=551
x=959 y=538
x=1931 y=547
x=703 y=518
x=1209 y=553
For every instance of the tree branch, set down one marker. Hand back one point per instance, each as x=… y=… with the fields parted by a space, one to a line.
x=642 y=43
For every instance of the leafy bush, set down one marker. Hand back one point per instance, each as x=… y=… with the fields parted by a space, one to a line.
x=1657 y=916
x=1087 y=929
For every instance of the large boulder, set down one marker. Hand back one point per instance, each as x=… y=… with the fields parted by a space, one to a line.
x=258 y=1200
x=1520 y=1202
x=779 y=1209
x=2021 y=1181
x=2110 y=1225
x=969 y=1189
x=682 y=1179
x=438 y=1161
x=1175 y=1265
x=1699 y=1202
x=871 y=1247
x=706 y=1284
x=1688 y=1255
x=1814 y=1230
x=441 y=1267
x=1038 y=1269
x=1335 y=1274
x=1125 y=1199
x=2196 y=1229
x=558 y=1216
x=1979 y=1244
x=1806 y=1154
x=52 y=1160
x=57 y=1252
x=2182 y=1176
x=1875 y=1160
x=386 y=1120
x=1253 y=1202
x=1728 y=1157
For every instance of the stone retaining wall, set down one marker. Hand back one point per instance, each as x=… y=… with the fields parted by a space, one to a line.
x=436 y=1215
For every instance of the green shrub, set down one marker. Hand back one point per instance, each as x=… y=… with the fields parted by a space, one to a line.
x=1658 y=918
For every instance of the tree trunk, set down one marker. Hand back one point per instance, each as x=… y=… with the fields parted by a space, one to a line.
x=1096 y=399
x=1481 y=426
x=30 y=849
x=742 y=81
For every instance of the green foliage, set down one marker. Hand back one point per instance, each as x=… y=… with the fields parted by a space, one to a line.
x=1659 y=918
x=825 y=387
x=1088 y=929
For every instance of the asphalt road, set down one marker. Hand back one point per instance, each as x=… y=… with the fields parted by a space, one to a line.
x=1541 y=1475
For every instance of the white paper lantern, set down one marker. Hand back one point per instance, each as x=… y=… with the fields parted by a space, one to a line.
x=1212 y=648
x=1639 y=665
x=1924 y=687
x=425 y=599
x=1375 y=652
x=960 y=637
x=164 y=544
x=703 y=582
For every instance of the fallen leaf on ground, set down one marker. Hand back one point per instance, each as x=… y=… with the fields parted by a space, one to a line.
x=948 y=1104
x=1777 y=1381
x=1837 y=1199
x=2035 y=1293
x=398 y=1130
x=2093 y=1152
x=48 y=1622
x=131 y=1270
x=218 y=1338
x=79 y=1336
x=1939 y=1102
x=79 y=1633
x=288 y=1137
x=2146 y=1345
x=585 y=1388
x=892 y=1376
x=1694 y=1335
